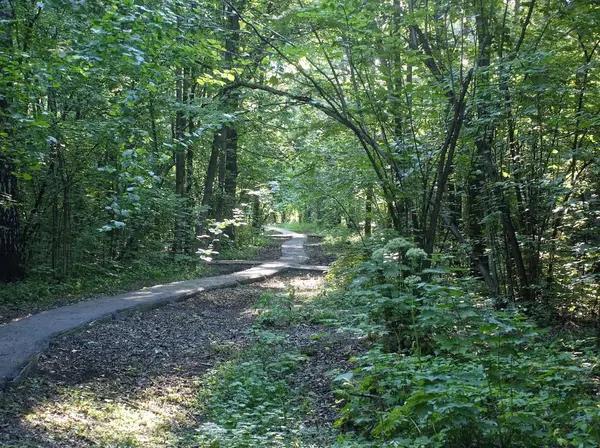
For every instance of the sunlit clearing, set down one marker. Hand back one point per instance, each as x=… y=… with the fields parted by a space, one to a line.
x=145 y=420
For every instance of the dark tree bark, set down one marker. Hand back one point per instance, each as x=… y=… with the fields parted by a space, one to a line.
x=219 y=209
x=484 y=141
x=11 y=247
x=180 y=154
x=209 y=183
x=474 y=212
x=445 y=164
x=369 y=211
x=11 y=244
x=189 y=169
x=231 y=175
x=228 y=165
x=256 y=212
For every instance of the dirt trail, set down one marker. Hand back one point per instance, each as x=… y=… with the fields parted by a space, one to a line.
x=133 y=381
x=23 y=340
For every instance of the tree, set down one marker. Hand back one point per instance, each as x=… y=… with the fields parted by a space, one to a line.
x=11 y=249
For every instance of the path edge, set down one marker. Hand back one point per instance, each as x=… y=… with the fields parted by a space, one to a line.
x=29 y=367
x=293 y=258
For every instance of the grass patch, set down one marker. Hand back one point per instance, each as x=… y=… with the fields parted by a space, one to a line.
x=249 y=402
x=259 y=399
x=41 y=291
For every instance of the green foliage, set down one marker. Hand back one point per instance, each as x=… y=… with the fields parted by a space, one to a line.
x=246 y=246
x=107 y=278
x=92 y=129
x=249 y=401
x=250 y=404
x=445 y=370
x=277 y=310
x=498 y=399
x=471 y=127
x=263 y=396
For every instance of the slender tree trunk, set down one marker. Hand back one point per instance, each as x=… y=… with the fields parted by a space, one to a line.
x=189 y=170
x=474 y=213
x=228 y=172
x=484 y=141
x=445 y=164
x=220 y=202
x=479 y=264
x=180 y=154
x=66 y=229
x=11 y=249
x=55 y=240
x=256 y=212
x=11 y=244
x=155 y=151
x=209 y=182
x=369 y=211
x=231 y=174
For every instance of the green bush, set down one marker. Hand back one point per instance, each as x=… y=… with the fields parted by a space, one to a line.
x=446 y=370
x=248 y=401
x=247 y=244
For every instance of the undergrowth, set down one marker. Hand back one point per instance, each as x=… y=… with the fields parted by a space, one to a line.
x=246 y=246
x=248 y=401
x=445 y=369
x=252 y=401
x=107 y=277
x=442 y=367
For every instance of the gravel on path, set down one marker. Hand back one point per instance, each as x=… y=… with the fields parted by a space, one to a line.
x=133 y=381
x=23 y=340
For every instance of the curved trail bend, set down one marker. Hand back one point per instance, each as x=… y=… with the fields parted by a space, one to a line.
x=22 y=341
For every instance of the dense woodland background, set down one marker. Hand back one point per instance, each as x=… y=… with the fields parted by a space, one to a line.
x=135 y=133
x=470 y=127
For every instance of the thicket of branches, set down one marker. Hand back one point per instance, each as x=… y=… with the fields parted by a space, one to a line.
x=470 y=127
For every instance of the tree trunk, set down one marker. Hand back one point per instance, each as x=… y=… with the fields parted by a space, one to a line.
x=180 y=154
x=369 y=211
x=11 y=244
x=220 y=202
x=256 y=212
x=474 y=213
x=11 y=249
x=484 y=141
x=445 y=164
x=189 y=170
x=209 y=182
x=231 y=174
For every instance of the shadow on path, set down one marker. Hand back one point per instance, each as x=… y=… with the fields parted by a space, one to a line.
x=130 y=381
x=22 y=341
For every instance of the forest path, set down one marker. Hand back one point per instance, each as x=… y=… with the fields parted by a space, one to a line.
x=21 y=342
x=148 y=378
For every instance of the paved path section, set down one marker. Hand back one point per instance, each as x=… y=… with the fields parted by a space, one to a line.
x=292 y=251
x=22 y=341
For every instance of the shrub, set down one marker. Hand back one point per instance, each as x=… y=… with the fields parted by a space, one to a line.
x=447 y=370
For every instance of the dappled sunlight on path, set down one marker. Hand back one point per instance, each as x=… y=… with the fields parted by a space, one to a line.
x=22 y=341
x=134 y=381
